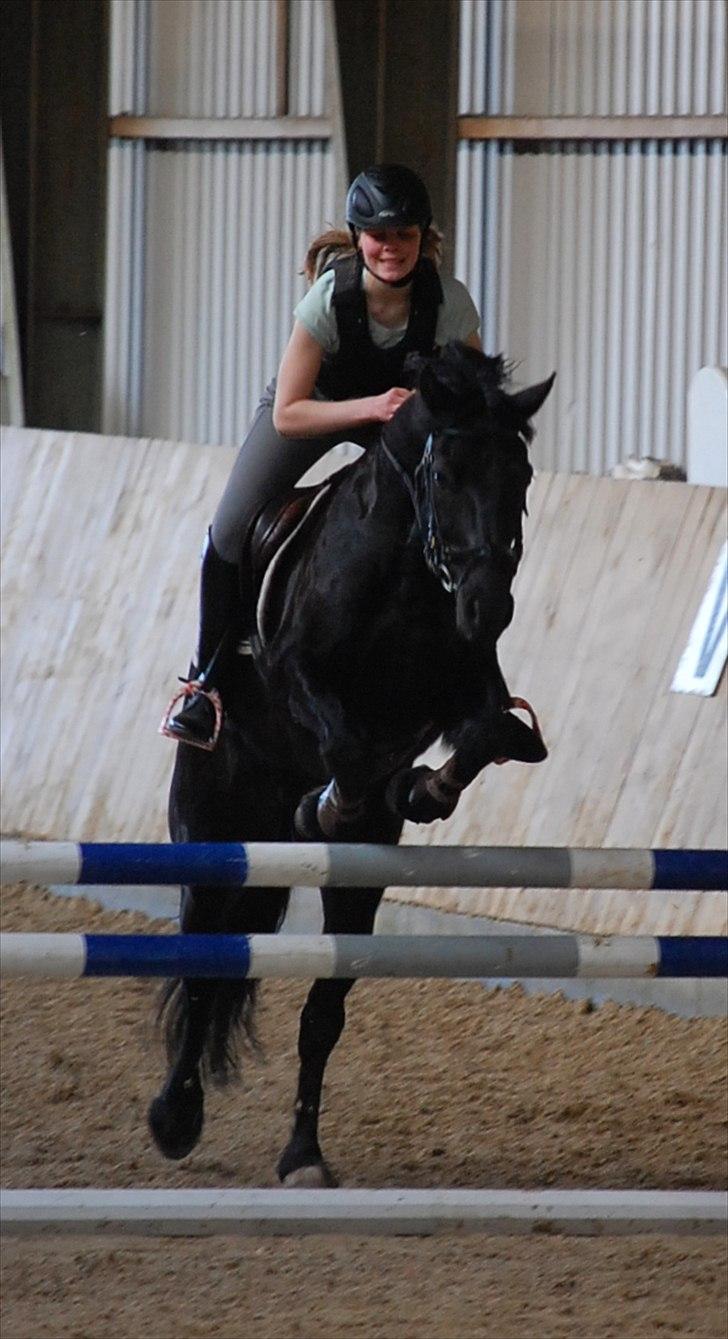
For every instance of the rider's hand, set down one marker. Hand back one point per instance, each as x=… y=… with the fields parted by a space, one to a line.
x=384 y=407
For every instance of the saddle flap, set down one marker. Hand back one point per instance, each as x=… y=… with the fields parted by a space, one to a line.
x=275 y=523
x=273 y=541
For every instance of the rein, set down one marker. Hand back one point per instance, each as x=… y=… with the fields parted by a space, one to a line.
x=436 y=553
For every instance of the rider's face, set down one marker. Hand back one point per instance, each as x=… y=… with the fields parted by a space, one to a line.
x=390 y=253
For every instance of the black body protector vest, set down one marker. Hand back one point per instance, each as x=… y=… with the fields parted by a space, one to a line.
x=360 y=367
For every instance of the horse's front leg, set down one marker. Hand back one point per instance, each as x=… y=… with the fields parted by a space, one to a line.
x=346 y=911
x=422 y=794
x=342 y=810
x=331 y=813
x=314 y=706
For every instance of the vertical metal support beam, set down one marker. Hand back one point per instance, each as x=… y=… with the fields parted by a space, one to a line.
x=12 y=410
x=283 y=35
x=381 y=69
x=356 y=30
x=420 y=95
x=65 y=261
x=399 y=74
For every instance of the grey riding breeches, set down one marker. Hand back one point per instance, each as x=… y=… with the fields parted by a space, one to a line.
x=267 y=464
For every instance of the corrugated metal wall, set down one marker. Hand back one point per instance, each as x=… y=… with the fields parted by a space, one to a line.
x=205 y=239
x=228 y=228
x=603 y=260
x=592 y=57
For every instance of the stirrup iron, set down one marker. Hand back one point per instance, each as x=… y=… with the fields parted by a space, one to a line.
x=192 y=688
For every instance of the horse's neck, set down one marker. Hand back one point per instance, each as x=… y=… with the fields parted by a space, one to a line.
x=378 y=488
x=393 y=496
x=403 y=444
x=404 y=438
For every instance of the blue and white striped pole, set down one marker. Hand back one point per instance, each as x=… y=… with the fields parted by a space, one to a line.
x=307 y=956
x=284 y=864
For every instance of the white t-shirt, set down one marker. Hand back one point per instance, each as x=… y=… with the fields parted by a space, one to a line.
x=457 y=317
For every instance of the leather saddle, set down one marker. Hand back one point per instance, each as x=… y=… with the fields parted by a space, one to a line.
x=272 y=543
x=275 y=524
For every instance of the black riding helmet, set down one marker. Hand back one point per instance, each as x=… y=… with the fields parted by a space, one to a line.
x=388 y=196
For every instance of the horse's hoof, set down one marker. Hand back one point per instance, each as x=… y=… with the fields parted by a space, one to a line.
x=409 y=796
x=515 y=741
x=302 y=1164
x=305 y=820
x=174 y=1131
x=318 y=1176
x=398 y=795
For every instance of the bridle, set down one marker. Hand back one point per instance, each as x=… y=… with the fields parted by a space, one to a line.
x=437 y=554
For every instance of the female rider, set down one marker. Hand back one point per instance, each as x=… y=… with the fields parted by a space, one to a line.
x=340 y=377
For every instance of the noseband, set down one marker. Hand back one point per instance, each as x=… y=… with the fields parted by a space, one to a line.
x=437 y=554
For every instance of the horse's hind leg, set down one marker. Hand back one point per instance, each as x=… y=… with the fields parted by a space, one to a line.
x=176 y=1114
x=346 y=911
x=201 y=1014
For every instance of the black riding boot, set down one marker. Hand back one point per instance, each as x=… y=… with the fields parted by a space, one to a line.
x=220 y=613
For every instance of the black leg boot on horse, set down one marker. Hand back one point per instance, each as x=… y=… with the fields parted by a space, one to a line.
x=199 y=720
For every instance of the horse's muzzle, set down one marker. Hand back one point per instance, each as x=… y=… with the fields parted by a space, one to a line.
x=484 y=606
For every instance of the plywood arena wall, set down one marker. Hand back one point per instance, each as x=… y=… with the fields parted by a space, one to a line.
x=100 y=546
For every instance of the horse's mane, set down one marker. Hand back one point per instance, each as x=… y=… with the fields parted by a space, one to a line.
x=462 y=366
x=462 y=382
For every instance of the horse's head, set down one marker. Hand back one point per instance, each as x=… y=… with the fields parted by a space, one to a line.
x=472 y=481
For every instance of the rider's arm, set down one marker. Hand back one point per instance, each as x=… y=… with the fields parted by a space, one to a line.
x=296 y=414
x=458 y=317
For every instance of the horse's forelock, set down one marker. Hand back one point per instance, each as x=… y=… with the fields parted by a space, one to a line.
x=464 y=372
x=461 y=381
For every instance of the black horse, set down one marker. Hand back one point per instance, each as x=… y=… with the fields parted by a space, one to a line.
x=377 y=636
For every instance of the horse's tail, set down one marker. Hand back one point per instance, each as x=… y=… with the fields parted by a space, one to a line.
x=229 y=1026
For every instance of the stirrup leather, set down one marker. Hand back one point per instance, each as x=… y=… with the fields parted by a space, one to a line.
x=190 y=689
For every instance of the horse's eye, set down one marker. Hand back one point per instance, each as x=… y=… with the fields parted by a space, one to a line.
x=440 y=478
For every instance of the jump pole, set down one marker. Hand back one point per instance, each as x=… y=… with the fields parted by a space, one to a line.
x=69 y=956
x=420 y=1213
x=360 y=865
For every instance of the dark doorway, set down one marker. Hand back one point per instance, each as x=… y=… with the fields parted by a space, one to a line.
x=398 y=64
x=53 y=102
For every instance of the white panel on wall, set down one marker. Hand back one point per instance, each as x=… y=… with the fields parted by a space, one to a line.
x=127 y=57
x=228 y=227
x=593 y=57
x=217 y=58
x=201 y=291
x=607 y=264
x=308 y=58
x=211 y=58
x=603 y=260
x=206 y=239
x=123 y=303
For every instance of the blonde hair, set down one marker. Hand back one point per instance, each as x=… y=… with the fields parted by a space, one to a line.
x=336 y=242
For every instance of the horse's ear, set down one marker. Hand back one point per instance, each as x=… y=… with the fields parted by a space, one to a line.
x=528 y=402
